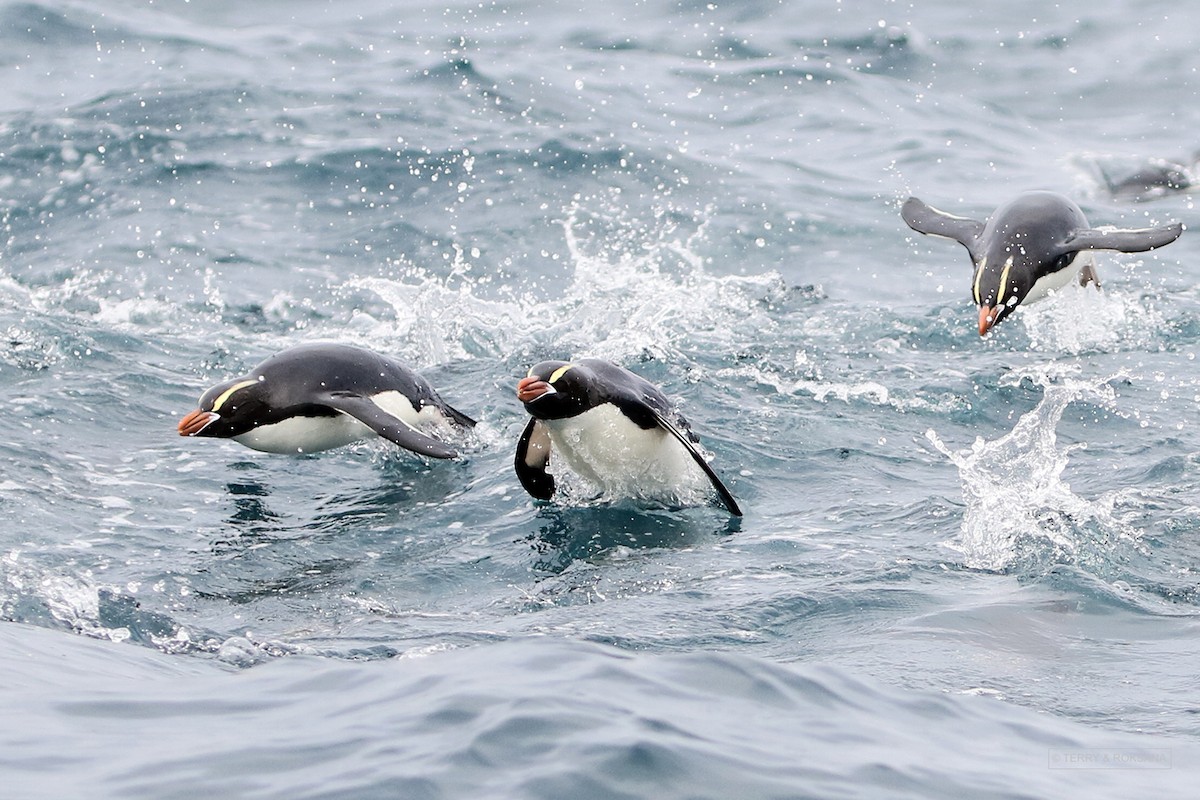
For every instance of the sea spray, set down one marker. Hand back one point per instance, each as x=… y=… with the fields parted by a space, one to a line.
x=1080 y=319
x=636 y=288
x=1017 y=503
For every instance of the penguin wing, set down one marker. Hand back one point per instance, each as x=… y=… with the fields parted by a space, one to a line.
x=386 y=425
x=686 y=441
x=1127 y=240
x=924 y=218
x=533 y=454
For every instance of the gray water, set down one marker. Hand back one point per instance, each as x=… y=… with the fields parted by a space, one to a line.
x=966 y=567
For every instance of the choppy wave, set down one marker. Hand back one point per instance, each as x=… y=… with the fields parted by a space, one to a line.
x=707 y=194
x=539 y=719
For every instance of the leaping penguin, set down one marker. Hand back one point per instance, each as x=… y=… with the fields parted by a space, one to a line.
x=319 y=396
x=1029 y=247
x=610 y=426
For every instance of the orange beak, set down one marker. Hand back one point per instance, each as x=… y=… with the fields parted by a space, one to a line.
x=195 y=422
x=530 y=389
x=987 y=318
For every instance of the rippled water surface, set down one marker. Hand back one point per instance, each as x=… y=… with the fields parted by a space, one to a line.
x=967 y=568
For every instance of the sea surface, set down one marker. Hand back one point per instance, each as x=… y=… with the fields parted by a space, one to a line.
x=967 y=568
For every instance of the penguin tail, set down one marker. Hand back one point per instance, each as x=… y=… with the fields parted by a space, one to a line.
x=457 y=416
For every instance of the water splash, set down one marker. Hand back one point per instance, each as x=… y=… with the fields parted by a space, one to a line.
x=1079 y=319
x=27 y=591
x=1018 y=505
x=636 y=288
x=435 y=323
x=640 y=288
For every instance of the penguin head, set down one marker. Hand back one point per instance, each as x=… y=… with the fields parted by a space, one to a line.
x=557 y=390
x=228 y=409
x=1005 y=276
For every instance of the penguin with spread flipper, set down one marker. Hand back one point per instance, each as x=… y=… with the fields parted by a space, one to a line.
x=1031 y=246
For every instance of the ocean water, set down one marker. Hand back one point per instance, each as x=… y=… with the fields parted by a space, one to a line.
x=968 y=567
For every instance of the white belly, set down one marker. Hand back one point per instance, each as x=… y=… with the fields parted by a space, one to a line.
x=305 y=434
x=314 y=434
x=1057 y=280
x=607 y=449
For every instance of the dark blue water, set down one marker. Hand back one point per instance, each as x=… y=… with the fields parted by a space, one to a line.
x=968 y=567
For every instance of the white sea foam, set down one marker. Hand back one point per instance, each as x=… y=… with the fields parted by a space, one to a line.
x=808 y=378
x=133 y=312
x=72 y=600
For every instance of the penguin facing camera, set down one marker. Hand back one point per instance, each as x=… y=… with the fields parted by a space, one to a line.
x=610 y=426
x=1031 y=246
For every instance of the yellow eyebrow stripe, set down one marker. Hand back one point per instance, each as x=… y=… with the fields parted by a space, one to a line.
x=558 y=373
x=979 y=277
x=1003 y=280
x=220 y=401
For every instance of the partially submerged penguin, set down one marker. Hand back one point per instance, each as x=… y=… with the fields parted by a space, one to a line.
x=1029 y=247
x=1147 y=179
x=318 y=396
x=1156 y=179
x=610 y=426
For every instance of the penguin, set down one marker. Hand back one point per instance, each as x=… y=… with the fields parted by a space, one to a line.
x=316 y=397
x=609 y=425
x=1152 y=179
x=1029 y=247
x=1150 y=182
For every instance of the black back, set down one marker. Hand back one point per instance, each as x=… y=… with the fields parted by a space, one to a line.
x=298 y=374
x=323 y=380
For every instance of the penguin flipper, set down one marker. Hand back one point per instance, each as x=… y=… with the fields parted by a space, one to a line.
x=686 y=441
x=533 y=454
x=924 y=218
x=1127 y=240
x=386 y=425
